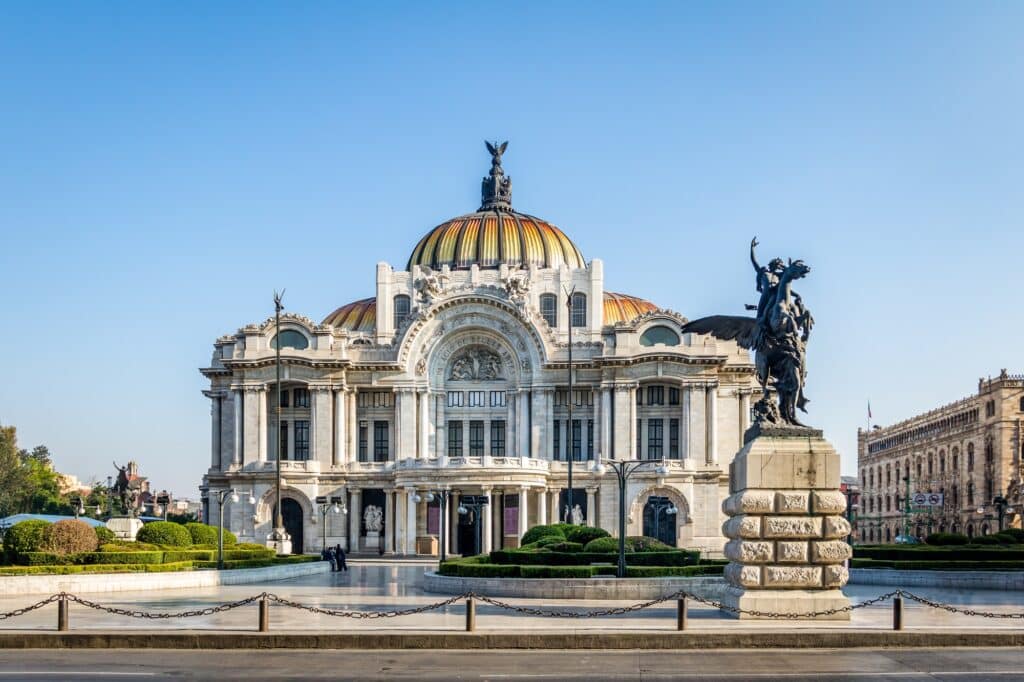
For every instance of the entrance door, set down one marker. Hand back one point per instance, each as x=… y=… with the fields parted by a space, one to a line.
x=658 y=523
x=468 y=536
x=291 y=516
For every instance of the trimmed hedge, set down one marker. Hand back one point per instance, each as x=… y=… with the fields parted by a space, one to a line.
x=95 y=568
x=537 y=532
x=69 y=536
x=566 y=546
x=585 y=534
x=602 y=545
x=104 y=534
x=547 y=557
x=473 y=570
x=933 y=553
x=667 y=571
x=947 y=539
x=175 y=555
x=165 y=533
x=203 y=534
x=556 y=571
x=25 y=536
x=938 y=565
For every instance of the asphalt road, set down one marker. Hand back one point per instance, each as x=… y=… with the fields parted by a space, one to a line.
x=847 y=664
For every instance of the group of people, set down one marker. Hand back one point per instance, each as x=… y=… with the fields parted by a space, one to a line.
x=336 y=555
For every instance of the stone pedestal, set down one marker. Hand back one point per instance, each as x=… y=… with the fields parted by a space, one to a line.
x=125 y=527
x=787 y=529
x=372 y=541
x=280 y=543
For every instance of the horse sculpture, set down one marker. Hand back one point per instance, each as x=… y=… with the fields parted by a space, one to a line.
x=778 y=336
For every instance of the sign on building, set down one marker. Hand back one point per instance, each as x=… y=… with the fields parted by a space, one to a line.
x=927 y=499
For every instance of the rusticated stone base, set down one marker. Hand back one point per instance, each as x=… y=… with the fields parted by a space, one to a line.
x=776 y=604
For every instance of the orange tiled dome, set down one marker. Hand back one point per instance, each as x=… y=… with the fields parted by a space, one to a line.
x=357 y=316
x=623 y=307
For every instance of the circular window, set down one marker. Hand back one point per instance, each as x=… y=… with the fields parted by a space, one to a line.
x=291 y=339
x=659 y=336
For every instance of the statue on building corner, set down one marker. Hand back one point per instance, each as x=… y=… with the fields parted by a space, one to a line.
x=431 y=285
x=778 y=336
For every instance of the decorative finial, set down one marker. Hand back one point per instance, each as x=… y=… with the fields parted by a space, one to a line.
x=496 y=189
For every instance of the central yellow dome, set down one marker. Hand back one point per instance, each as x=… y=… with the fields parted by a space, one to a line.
x=491 y=237
x=496 y=234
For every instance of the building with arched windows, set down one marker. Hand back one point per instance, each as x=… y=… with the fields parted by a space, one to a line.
x=967 y=455
x=454 y=377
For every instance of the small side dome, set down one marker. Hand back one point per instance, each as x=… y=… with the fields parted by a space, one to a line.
x=623 y=307
x=358 y=316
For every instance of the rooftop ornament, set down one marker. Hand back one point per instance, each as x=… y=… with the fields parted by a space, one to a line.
x=496 y=189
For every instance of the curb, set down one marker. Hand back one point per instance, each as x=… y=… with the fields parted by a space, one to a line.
x=653 y=640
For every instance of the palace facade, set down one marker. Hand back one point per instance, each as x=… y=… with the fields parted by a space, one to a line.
x=453 y=377
x=968 y=453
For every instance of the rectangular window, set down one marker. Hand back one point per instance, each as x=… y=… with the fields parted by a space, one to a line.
x=549 y=309
x=455 y=399
x=301 y=439
x=476 y=438
x=455 y=439
x=673 y=439
x=655 y=439
x=383 y=399
x=577 y=453
x=655 y=395
x=579 y=310
x=590 y=439
x=363 y=454
x=476 y=398
x=639 y=441
x=556 y=441
x=497 y=398
x=301 y=397
x=380 y=441
x=673 y=396
x=561 y=398
x=639 y=396
x=497 y=437
x=284 y=397
x=282 y=442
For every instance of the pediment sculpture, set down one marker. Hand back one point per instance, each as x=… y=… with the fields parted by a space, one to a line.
x=476 y=364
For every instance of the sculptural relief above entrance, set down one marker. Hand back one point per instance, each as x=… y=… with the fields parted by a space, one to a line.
x=476 y=364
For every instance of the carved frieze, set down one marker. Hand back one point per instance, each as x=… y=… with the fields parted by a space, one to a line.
x=476 y=364
x=792 y=527
x=830 y=552
x=791 y=502
x=792 y=576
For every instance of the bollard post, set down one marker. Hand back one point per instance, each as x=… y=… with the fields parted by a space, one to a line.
x=264 y=615
x=682 y=614
x=897 y=613
x=470 y=614
x=62 y=614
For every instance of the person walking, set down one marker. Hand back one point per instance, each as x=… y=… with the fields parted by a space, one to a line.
x=339 y=553
x=333 y=558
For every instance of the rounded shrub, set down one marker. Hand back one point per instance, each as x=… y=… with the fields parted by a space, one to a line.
x=545 y=542
x=25 y=536
x=104 y=535
x=203 y=534
x=165 y=533
x=565 y=546
x=985 y=540
x=1005 y=538
x=1017 y=533
x=602 y=546
x=584 y=534
x=940 y=539
x=69 y=536
x=538 y=532
x=642 y=543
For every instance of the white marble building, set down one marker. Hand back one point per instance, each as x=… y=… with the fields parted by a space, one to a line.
x=454 y=377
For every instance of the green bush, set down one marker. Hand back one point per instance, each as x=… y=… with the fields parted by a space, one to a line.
x=104 y=534
x=974 y=552
x=538 y=532
x=119 y=558
x=95 y=568
x=1005 y=538
x=165 y=533
x=669 y=571
x=24 y=536
x=556 y=571
x=985 y=540
x=946 y=539
x=44 y=559
x=245 y=554
x=585 y=534
x=566 y=546
x=246 y=545
x=128 y=546
x=602 y=545
x=466 y=570
x=546 y=557
x=642 y=543
x=1016 y=533
x=69 y=536
x=545 y=542
x=175 y=555
x=203 y=534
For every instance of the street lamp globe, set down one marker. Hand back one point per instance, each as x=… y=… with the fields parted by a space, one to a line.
x=661 y=470
x=234 y=496
x=672 y=511
x=462 y=510
x=416 y=498
x=599 y=469
x=429 y=497
x=251 y=500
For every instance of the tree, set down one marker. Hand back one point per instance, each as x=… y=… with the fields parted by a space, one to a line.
x=14 y=479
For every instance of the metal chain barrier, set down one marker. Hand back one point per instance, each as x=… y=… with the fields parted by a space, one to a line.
x=367 y=615
x=595 y=613
x=954 y=609
x=22 y=611
x=781 y=615
x=134 y=613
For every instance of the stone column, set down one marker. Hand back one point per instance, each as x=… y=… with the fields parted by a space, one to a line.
x=339 y=453
x=592 y=506
x=712 y=424
x=353 y=426
x=549 y=425
x=524 y=511
x=251 y=426
x=511 y=425
x=786 y=526
x=487 y=518
x=621 y=445
x=236 y=449
x=605 y=427
x=555 y=515
x=497 y=518
x=215 y=443
x=523 y=440
x=744 y=413
x=405 y=423
x=441 y=426
x=685 y=453
x=453 y=522
x=696 y=424
x=411 y=509
x=633 y=453
x=355 y=519
x=389 y=521
x=320 y=429
x=423 y=437
x=542 y=507
x=263 y=400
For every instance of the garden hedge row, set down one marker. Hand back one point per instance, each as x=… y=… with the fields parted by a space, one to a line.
x=95 y=568
x=929 y=565
x=147 y=557
x=483 y=570
x=550 y=558
x=939 y=553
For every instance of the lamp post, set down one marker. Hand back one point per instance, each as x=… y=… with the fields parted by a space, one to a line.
x=623 y=470
x=79 y=507
x=569 y=434
x=335 y=504
x=163 y=499
x=279 y=534
x=221 y=495
x=442 y=495
x=1003 y=508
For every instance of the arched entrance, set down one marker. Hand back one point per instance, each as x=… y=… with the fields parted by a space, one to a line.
x=658 y=522
x=291 y=517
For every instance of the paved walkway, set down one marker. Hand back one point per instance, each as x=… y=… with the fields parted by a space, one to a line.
x=388 y=585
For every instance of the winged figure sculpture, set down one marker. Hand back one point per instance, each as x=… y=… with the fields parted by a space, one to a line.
x=778 y=336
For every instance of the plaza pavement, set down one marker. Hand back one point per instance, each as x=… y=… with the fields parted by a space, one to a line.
x=386 y=585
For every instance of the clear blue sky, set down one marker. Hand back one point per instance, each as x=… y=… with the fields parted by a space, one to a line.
x=165 y=166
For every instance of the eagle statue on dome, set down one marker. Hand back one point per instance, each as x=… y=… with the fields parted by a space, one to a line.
x=496 y=151
x=778 y=336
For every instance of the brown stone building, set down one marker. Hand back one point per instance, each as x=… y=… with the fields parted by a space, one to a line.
x=962 y=460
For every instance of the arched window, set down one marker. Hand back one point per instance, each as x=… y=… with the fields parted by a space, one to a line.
x=970 y=456
x=942 y=461
x=919 y=468
x=989 y=452
x=970 y=493
x=888 y=475
x=1022 y=404
x=956 y=460
x=579 y=310
x=984 y=529
x=888 y=503
x=970 y=530
x=930 y=469
x=291 y=339
x=659 y=335
x=401 y=309
x=871 y=478
x=888 y=534
x=549 y=309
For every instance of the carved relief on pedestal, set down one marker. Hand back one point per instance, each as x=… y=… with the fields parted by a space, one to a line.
x=836 y=527
x=792 y=576
x=743 y=576
x=828 y=502
x=789 y=551
x=792 y=527
x=749 y=502
x=792 y=502
x=835 y=575
x=830 y=552
x=747 y=552
x=742 y=526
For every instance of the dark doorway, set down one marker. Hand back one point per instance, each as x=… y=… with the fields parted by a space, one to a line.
x=658 y=523
x=291 y=517
x=469 y=544
x=375 y=497
x=579 y=499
